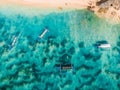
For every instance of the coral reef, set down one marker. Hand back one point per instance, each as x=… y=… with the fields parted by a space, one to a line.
x=30 y=64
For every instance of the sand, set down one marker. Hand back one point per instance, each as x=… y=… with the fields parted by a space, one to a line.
x=104 y=11
x=61 y=4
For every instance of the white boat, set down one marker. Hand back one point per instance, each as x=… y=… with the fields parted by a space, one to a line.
x=104 y=46
x=43 y=33
x=14 y=41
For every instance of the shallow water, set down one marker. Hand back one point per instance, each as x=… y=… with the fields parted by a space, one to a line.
x=30 y=63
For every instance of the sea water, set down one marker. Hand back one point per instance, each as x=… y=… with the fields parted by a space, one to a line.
x=30 y=63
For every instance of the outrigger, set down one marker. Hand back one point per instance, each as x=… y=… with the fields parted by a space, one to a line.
x=14 y=41
x=63 y=68
x=43 y=33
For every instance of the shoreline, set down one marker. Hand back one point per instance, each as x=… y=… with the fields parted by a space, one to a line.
x=109 y=13
x=36 y=7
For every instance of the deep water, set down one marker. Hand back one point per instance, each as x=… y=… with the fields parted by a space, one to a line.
x=30 y=64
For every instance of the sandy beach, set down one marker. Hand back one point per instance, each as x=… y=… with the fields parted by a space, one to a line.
x=109 y=9
x=60 y=4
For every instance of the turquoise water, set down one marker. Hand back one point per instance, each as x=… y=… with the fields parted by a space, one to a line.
x=30 y=64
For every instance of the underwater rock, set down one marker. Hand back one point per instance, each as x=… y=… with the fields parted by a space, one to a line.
x=71 y=51
x=63 y=42
x=1 y=51
x=48 y=85
x=88 y=56
x=44 y=60
x=23 y=49
x=65 y=58
x=78 y=62
x=89 y=65
x=87 y=81
x=116 y=49
x=4 y=87
x=68 y=82
x=56 y=44
x=96 y=57
x=50 y=40
x=87 y=53
x=31 y=43
x=90 y=71
x=85 y=73
x=119 y=37
x=118 y=44
x=62 y=51
x=118 y=84
x=5 y=46
x=51 y=37
x=16 y=55
x=40 y=86
x=81 y=44
x=97 y=71
x=2 y=21
x=46 y=50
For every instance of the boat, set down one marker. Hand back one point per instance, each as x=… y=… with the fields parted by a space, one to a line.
x=102 y=44
x=43 y=33
x=14 y=41
x=63 y=68
x=66 y=66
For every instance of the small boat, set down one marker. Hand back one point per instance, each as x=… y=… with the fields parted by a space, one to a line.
x=104 y=46
x=63 y=68
x=43 y=33
x=66 y=67
x=14 y=41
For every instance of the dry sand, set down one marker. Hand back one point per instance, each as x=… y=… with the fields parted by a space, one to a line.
x=60 y=4
x=103 y=10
